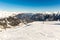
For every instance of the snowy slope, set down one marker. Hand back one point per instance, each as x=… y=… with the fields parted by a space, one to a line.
x=33 y=31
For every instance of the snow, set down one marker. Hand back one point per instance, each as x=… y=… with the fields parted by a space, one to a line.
x=33 y=31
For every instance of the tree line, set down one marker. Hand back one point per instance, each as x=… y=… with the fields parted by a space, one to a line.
x=39 y=17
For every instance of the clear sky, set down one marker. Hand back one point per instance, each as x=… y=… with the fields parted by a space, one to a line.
x=30 y=5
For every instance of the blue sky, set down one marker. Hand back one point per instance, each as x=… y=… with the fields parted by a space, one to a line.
x=30 y=5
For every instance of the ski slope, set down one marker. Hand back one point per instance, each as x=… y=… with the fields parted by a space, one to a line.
x=33 y=31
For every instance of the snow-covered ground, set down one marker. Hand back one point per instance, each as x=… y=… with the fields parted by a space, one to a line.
x=33 y=31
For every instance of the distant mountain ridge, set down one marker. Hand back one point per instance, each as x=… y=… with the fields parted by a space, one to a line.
x=15 y=18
